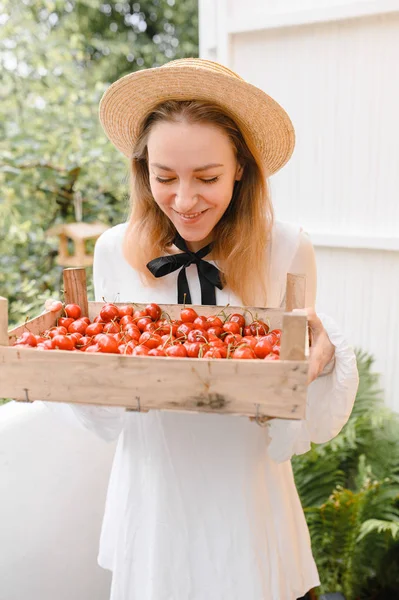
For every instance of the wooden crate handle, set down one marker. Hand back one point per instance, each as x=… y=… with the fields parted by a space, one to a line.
x=75 y=289
x=3 y=321
x=293 y=340
x=295 y=295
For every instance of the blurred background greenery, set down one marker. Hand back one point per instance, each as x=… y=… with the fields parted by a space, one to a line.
x=57 y=58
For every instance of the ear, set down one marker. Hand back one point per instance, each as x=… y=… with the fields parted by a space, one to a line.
x=239 y=172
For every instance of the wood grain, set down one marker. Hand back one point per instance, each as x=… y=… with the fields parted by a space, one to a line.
x=75 y=290
x=242 y=387
x=293 y=340
x=3 y=321
x=295 y=291
x=36 y=325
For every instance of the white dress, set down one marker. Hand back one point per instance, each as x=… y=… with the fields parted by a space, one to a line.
x=204 y=507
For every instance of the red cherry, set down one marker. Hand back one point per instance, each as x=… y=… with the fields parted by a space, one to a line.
x=94 y=329
x=65 y=322
x=107 y=343
x=243 y=352
x=232 y=338
x=156 y=352
x=216 y=331
x=184 y=329
x=272 y=356
x=133 y=332
x=84 y=342
x=231 y=327
x=73 y=311
x=111 y=327
x=151 y=340
x=197 y=335
x=126 y=320
x=263 y=347
x=143 y=322
x=188 y=315
x=57 y=331
x=27 y=338
x=212 y=353
x=62 y=342
x=154 y=311
x=78 y=326
x=250 y=341
x=259 y=328
x=93 y=348
x=125 y=311
x=109 y=312
x=76 y=337
x=177 y=350
x=200 y=321
x=214 y=322
x=195 y=349
x=237 y=318
x=140 y=350
x=138 y=314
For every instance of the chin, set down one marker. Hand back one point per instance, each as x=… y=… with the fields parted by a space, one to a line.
x=193 y=236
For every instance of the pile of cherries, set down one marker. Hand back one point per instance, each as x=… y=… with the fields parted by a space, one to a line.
x=151 y=332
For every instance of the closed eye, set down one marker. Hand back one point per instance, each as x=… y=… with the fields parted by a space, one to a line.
x=212 y=180
x=169 y=180
x=160 y=180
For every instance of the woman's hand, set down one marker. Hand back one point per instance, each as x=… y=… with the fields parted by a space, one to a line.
x=53 y=305
x=322 y=351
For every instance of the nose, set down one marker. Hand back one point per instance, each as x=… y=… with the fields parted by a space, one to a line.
x=185 y=199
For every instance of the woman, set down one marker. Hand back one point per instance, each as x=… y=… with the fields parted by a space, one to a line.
x=204 y=507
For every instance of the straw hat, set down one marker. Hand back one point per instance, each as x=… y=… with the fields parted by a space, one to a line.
x=130 y=99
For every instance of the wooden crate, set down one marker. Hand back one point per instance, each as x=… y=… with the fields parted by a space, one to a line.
x=254 y=388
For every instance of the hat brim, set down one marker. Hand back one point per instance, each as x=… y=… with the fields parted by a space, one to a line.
x=127 y=102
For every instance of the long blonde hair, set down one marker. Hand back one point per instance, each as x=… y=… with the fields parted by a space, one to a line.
x=240 y=238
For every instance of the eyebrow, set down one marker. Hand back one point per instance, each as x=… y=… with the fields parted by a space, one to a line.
x=204 y=168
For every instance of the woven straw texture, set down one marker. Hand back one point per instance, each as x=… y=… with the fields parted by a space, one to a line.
x=130 y=99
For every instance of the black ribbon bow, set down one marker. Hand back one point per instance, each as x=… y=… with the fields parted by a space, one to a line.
x=209 y=275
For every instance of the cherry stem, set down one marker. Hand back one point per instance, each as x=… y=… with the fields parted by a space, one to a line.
x=221 y=312
x=246 y=310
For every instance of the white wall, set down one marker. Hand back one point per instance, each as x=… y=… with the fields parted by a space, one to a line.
x=334 y=66
x=53 y=481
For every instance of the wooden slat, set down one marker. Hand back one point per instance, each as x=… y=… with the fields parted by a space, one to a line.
x=36 y=325
x=244 y=387
x=3 y=321
x=295 y=291
x=75 y=291
x=293 y=340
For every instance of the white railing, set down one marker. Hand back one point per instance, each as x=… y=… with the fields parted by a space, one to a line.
x=53 y=480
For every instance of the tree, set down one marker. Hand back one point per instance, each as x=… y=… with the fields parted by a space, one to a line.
x=57 y=59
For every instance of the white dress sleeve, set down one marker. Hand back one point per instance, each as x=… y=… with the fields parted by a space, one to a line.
x=105 y=421
x=330 y=397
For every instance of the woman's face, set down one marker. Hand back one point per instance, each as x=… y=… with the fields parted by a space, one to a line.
x=192 y=172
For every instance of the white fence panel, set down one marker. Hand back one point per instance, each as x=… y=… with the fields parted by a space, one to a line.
x=334 y=66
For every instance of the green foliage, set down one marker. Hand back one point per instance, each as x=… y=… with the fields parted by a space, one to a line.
x=57 y=58
x=349 y=489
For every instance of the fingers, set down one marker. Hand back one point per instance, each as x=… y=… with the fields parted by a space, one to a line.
x=315 y=364
x=53 y=305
